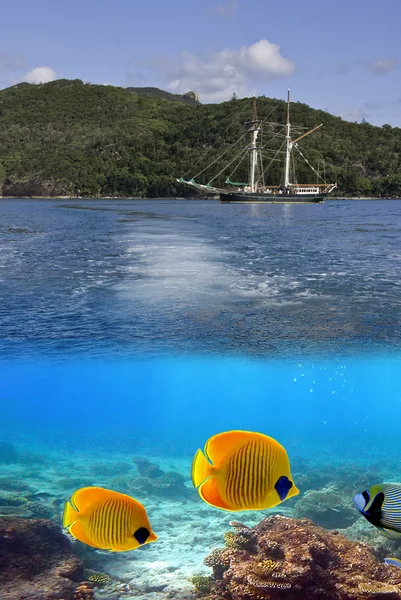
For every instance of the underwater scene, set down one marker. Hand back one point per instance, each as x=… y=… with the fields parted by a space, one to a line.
x=200 y=400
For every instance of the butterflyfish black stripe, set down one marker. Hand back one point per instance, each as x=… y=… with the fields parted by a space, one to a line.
x=105 y=523
x=100 y=524
x=268 y=465
x=257 y=473
x=109 y=524
x=124 y=521
x=236 y=482
x=114 y=521
x=114 y=514
x=230 y=480
x=229 y=485
x=121 y=535
x=132 y=516
x=260 y=474
x=119 y=522
x=263 y=473
x=253 y=482
x=240 y=477
x=251 y=475
x=246 y=474
x=93 y=525
x=250 y=478
x=254 y=473
x=272 y=461
x=120 y=508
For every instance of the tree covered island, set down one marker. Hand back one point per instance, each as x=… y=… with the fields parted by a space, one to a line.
x=69 y=138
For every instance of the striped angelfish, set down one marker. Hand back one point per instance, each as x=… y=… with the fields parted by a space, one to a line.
x=381 y=506
x=108 y=520
x=243 y=470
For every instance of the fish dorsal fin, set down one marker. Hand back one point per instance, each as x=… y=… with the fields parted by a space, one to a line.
x=222 y=445
x=86 y=497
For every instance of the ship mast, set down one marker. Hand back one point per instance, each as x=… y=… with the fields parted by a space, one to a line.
x=288 y=144
x=253 y=148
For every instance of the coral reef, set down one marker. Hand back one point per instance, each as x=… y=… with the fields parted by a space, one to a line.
x=36 y=562
x=326 y=508
x=146 y=468
x=97 y=578
x=201 y=583
x=383 y=545
x=70 y=483
x=169 y=484
x=242 y=538
x=25 y=505
x=295 y=560
x=110 y=470
x=344 y=479
x=14 y=485
x=84 y=592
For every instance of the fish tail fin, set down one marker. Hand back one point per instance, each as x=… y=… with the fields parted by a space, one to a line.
x=201 y=468
x=210 y=493
x=70 y=515
x=78 y=531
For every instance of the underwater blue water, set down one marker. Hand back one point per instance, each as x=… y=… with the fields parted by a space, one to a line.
x=155 y=324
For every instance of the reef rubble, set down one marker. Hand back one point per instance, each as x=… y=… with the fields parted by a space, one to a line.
x=37 y=562
x=290 y=559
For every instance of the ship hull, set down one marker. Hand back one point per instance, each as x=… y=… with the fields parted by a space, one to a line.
x=249 y=197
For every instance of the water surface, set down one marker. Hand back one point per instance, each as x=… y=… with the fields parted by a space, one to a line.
x=103 y=278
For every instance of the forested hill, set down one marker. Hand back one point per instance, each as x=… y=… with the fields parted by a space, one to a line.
x=71 y=138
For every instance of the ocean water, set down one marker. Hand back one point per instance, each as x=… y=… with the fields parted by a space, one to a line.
x=141 y=328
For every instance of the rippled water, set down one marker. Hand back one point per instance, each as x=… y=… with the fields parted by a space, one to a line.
x=142 y=277
x=141 y=328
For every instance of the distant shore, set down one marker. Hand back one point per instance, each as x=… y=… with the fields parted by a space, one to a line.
x=80 y=198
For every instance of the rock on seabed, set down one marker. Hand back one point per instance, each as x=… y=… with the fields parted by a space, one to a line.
x=297 y=560
x=37 y=563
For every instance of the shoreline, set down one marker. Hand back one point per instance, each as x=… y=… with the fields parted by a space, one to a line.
x=80 y=198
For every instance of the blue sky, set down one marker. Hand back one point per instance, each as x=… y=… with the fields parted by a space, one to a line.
x=343 y=56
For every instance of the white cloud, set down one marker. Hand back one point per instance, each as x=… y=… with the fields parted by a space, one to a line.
x=226 y=10
x=381 y=66
x=216 y=76
x=40 y=75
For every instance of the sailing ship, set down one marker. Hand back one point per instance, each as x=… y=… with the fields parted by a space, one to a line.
x=255 y=189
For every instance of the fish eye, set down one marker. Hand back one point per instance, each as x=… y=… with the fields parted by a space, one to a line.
x=141 y=535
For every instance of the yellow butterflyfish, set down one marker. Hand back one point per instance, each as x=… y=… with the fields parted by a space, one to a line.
x=243 y=470
x=108 y=520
